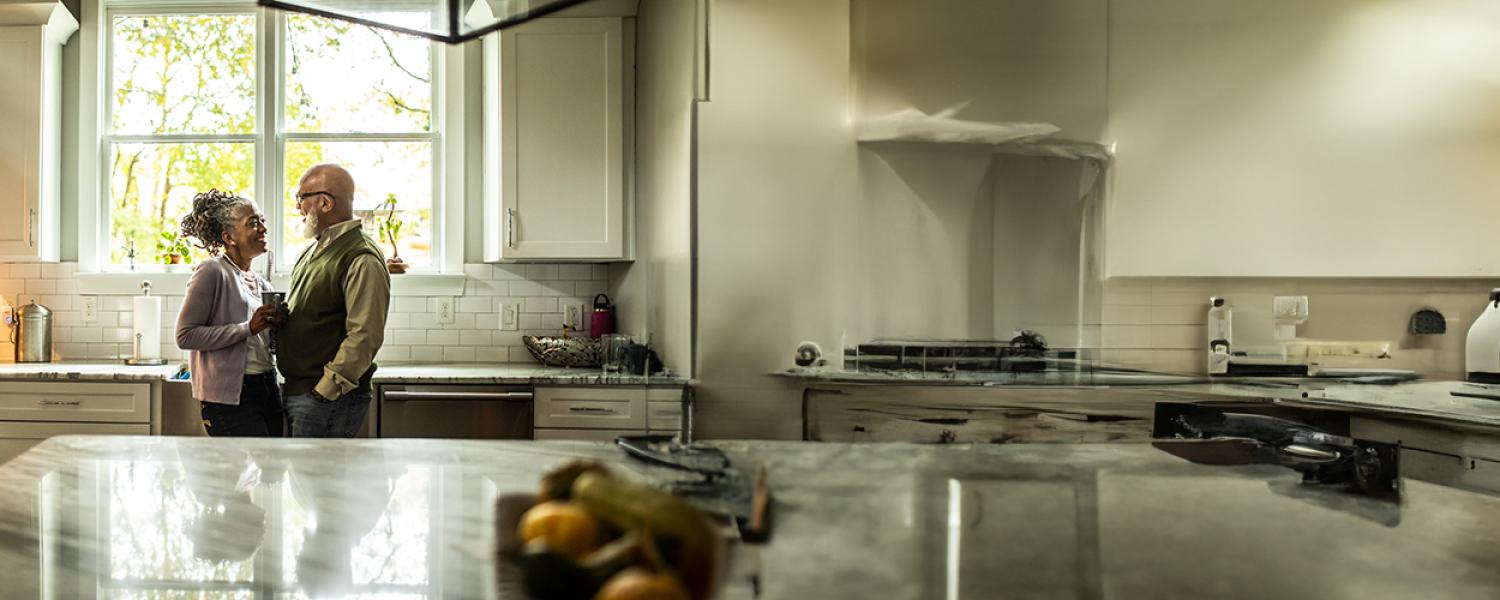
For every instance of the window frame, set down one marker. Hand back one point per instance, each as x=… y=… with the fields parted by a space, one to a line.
x=445 y=134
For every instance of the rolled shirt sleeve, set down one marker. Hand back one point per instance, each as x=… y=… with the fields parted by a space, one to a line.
x=367 y=297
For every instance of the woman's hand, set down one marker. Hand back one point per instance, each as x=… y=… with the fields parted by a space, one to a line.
x=266 y=317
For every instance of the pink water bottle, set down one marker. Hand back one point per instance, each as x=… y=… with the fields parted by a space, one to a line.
x=603 y=320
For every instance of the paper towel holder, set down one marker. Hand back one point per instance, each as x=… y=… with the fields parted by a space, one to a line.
x=135 y=360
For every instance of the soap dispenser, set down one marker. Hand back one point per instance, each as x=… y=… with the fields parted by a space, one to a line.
x=1220 y=325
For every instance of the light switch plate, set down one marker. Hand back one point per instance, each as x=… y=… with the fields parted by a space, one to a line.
x=510 y=317
x=445 y=309
x=90 y=309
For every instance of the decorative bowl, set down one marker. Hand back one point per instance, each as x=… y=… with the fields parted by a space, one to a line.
x=563 y=352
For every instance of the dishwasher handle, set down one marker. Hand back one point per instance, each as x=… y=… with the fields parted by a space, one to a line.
x=403 y=395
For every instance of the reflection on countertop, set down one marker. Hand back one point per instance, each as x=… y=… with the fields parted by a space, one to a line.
x=107 y=516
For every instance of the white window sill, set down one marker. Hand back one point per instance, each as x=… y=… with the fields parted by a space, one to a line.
x=172 y=284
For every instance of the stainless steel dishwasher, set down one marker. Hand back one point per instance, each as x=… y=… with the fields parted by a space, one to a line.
x=454 y=411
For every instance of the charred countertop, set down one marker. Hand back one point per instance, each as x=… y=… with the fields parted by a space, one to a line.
x=330 y=518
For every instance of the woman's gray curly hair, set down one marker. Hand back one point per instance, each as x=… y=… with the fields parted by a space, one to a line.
x=213 y=214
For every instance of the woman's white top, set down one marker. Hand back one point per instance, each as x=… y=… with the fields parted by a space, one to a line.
x=258 y=359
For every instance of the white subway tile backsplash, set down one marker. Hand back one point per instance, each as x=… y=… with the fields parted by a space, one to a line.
x=426 y=354
x=424 y=320
x=474 y=338
x=441 y=337
x=575 y=272
x=409 y=304
x=41 y=286
x=521 y=355
x=505 y=338
x=476 y=304
x=509 y=271
x=520 y=289
x=589 y=289
x=539 y=305
x=24 y=271
x=389 y=353
x=458 y=354
x=541 y=272
x=492 y=354
x=406 y=337
x=461 y=321
x=480 y=271
x=541 y=291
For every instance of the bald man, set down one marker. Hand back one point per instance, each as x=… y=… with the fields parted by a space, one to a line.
x=338 y=300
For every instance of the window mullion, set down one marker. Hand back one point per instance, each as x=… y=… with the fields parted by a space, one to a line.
x=270 y=73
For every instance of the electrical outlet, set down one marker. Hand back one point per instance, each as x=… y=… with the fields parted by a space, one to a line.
x=90 y=309
x=510 y=317
x=445 y=309
x=572 y=316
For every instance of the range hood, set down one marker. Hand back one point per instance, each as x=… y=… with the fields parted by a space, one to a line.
x=451 y=21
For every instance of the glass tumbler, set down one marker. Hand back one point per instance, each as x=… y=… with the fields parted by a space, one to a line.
x=614 y=349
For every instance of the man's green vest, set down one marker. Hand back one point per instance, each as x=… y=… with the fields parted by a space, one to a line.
x=315 y=330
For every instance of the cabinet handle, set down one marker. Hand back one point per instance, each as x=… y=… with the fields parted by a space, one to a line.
x=31 y=228
x=592 y=409
x=59 y=402
x=510 y=227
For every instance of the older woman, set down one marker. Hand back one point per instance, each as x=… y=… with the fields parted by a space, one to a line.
x=223 y=323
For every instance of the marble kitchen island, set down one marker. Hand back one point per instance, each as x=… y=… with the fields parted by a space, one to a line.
x=86 y=517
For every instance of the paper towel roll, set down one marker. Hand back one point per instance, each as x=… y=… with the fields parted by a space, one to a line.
x=147 y=327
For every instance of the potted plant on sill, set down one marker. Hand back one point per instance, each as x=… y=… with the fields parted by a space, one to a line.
x=389 y=227
x=173 y=251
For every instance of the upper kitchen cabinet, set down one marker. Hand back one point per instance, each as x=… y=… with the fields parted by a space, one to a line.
x=557 y=140
x=31 y=40
x=1347 y=138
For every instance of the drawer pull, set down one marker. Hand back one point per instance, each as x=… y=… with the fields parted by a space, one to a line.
x=592 y=409
x=59 y=402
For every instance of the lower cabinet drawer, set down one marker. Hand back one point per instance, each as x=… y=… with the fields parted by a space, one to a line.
x=664 y=416
x=75 y=401
x=591 y=435
x=590 y=408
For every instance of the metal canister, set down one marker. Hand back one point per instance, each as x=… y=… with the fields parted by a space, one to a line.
x=33 y=333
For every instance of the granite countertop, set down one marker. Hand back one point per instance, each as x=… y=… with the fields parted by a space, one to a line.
x=87 y=516
x=487 y=373
x=87 y=371
x=502 y=373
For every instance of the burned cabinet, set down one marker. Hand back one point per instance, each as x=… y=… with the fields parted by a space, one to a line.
x=975 y=414
x=1466 y=458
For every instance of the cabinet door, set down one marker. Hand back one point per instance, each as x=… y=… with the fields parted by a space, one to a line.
x=21 y=146
x=561 y=102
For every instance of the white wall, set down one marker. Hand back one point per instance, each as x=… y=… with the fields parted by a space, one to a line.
x=1039 y=230
x=925 y=226
x=654 y=293
x=1294 y=138
x=776 y=191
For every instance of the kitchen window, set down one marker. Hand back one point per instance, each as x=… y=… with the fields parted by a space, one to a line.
x=245 y=100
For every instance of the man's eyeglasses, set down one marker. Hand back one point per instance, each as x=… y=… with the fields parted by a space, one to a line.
x=305 y=195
